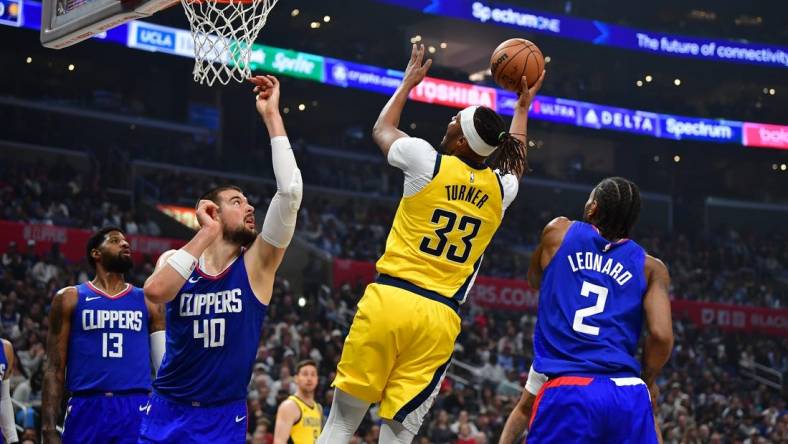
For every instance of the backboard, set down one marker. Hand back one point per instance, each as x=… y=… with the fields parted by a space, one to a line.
x=66 y=22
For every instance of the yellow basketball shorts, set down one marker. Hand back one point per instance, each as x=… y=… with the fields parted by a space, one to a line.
x=398 y=350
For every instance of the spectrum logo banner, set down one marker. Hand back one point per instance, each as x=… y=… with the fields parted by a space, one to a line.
x=763 y=135
x=453 y=94
x=708 y=130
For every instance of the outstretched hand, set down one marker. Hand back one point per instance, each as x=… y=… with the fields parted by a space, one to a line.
x=526 y=94
x=416 y=71
x=266 y=92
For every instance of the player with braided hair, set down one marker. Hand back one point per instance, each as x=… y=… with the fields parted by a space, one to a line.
x=402 y=338
x=596 y=289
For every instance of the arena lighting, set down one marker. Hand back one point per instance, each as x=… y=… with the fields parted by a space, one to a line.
x=774 y=166
x=314 y=25
x=783 y=167
x=639 y=83
x=772 y=91
x=29 y=60
x=444 y=45
x=547 y=59
x=301 y=107
x=286 y=110
x=71 y=67
x=656 y=158
x=415 y=39
x=677 y=158
x=431 y=49
x=301 y=301
x=677 y=82
x=295 y=12
x=649 y=78
x=327 y=18
x=413 y=126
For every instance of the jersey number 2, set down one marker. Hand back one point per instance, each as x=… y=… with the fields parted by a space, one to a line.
x=451 y=219
x=599 y=307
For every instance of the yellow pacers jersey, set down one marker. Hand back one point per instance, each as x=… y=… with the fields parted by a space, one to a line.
x=440 y=233
x=307 y=429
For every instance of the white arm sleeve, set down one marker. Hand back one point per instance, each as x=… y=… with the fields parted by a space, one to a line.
x=7 y=413
x=511 y=185
x=280 y=219
x=416 y=158
x=535 y=381
x=157 y=346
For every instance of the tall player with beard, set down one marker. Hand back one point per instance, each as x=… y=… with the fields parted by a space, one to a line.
x=217 y=289
x=98 y=349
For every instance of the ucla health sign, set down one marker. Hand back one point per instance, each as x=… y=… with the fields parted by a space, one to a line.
x=601 y=33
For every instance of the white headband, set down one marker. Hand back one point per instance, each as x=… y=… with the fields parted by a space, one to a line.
x=475 y=141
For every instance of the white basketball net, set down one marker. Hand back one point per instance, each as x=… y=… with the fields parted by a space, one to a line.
x=223 y=36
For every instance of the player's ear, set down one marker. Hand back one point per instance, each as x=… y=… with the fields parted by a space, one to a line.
x=592 y=209
x=95 y=254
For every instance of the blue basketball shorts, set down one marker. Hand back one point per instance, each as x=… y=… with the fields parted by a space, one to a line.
x=574 y=409
x=104 y=419
x=167 y=421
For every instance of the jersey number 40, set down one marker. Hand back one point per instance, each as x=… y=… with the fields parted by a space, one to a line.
x=211 y=331
x=468 y=225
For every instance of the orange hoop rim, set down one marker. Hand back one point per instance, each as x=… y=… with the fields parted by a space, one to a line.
x=223 y=2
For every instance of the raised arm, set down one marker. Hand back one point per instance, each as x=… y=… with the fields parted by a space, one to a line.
x=60 y=312
x=175 y=266
x=519 y=126
x=386 y=130
x=6 y=407
x=266 y=253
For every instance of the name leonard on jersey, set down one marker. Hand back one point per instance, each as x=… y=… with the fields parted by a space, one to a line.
x=594 y=262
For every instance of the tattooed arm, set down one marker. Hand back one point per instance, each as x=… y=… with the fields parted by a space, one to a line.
x=62 y=308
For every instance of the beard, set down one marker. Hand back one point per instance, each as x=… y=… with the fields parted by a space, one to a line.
x=118 y=264
x=241 y=236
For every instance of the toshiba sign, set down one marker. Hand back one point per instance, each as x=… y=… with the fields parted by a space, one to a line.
x=453 y=94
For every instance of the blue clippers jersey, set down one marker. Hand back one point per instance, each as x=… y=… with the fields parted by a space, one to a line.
x=590 y=306
x=213 y=330
x=3 y=365
x=108 y=349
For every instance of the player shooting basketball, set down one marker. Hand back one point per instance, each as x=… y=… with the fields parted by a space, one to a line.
x=217 y=289
x=403 y=335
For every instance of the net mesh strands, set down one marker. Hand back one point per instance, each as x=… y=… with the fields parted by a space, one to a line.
x=224 y=32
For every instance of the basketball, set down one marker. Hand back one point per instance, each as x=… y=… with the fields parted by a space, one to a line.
x=514 y=59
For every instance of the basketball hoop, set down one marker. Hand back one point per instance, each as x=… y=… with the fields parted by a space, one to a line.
x=224 y=31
